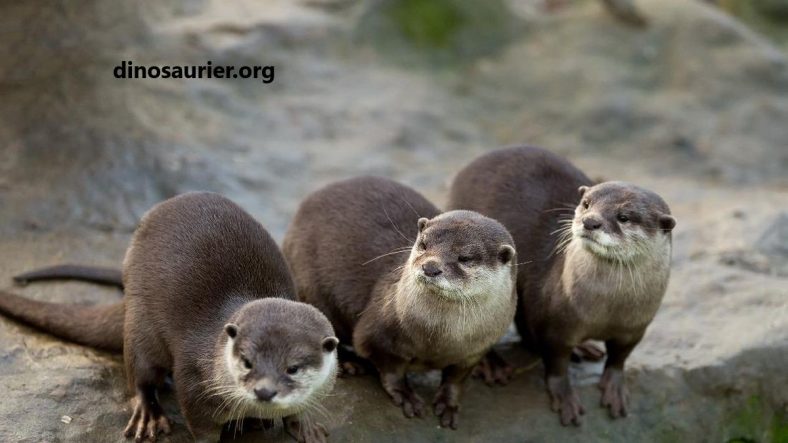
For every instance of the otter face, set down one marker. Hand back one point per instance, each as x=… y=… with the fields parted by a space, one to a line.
x=278 y=363
x=461 y=254
x=621 y=222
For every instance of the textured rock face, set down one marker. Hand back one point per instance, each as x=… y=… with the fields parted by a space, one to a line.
x=693 y=107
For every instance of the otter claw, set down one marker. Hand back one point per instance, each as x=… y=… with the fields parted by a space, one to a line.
x=146 y=423
x=565 y=401
x=493 y=369
x=351 y=368
x=447 y=410
x=615 y=395
x=587 y=351
x=412 y=405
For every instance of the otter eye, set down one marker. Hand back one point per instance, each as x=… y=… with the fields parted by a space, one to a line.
x=247 y=364
x=585 y=204
x=464 y=259
x=622 y=218
x=422 y=246
x=292 y=370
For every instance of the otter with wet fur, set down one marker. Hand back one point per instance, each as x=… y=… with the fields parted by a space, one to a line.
x=209 y=299
x=409 y=287
x=598 y=261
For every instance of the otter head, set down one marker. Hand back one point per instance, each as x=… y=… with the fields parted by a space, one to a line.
x=279 y=355
x=462 y=255
x=622 y=222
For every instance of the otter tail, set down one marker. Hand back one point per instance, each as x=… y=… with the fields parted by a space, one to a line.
x=95 y=274
x=96 y=326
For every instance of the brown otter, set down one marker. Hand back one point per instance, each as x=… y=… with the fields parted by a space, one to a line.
x=410 y=287
x=598 y=260
x=209 y=298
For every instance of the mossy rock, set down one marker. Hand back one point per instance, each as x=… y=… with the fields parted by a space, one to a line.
x=442 y=30
x=774 y=9
x=769 y=17
x=756 y=422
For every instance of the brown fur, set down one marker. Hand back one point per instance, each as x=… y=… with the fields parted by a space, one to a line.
x=200 y=272
x=95 y=274
x=358 y=248
x=97 y=326
x=568 y=293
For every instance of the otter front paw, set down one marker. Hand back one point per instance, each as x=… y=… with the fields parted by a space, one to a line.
x=351 y=368
x=147 y=422
x=587 y=351
x=303 y=433
x=412 y=405
x=614 y=392
x=492 y=368
x=565 y=401
x=447 y=408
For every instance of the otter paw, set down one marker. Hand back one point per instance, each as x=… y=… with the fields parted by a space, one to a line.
x=303 y=433
x=565 y=401
x=587 y=351
x=412 y=405
x=351 y=368
x=614 y=392
x=146 y=423
x=447 y=410
x=493 y=369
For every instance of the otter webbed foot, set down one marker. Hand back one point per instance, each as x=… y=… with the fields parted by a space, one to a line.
x=493 y=369
x=148 y=420
x=403 y=395
x=303 y=432
x=565 y=401
x=614 y=392
x=587 y=351
x=447 y=407
x=351 y=368
x=412 y=405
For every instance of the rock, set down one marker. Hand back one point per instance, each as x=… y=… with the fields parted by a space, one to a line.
x=693 y=107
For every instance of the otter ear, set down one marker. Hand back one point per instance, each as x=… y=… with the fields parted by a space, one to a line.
x=422 y=223
x=231 y=329
x=330 y=343
x=666 y=222
x=582 y=190
x=505 y=254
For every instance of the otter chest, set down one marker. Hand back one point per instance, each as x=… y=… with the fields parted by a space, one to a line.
x=615 y=305
x=451 y=336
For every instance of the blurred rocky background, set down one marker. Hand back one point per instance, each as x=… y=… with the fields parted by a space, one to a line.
x=693 y=104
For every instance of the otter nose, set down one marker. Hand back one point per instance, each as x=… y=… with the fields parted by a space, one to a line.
x=431 y=269
x=591 y=223
x=264 y=394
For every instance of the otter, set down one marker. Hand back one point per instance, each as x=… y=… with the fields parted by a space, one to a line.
x=598 y=261
x=209 y=299
x=410 y=287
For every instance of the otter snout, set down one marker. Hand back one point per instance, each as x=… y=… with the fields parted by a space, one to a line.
x=265 y=394
x=591 y=223
x=265 y=389
x=431 y=269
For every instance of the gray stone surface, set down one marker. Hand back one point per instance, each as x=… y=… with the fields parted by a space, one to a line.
x=693 y=107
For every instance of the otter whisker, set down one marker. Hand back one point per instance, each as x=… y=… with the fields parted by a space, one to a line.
x=406 y=249
x=396 y=228
x=410 y=206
